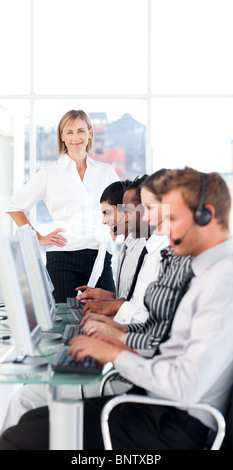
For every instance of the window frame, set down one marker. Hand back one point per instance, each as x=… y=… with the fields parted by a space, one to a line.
x=32 y=97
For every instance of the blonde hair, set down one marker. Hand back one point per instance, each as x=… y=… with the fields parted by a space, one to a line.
x=70 y=116
x=189 y=181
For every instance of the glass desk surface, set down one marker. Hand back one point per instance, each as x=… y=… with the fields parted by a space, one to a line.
x=48 y=350
x=66 y=413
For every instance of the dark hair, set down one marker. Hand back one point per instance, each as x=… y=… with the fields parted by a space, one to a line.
x=137 y=184
x=114 y=193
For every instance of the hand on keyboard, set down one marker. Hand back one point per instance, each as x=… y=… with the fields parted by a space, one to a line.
x=64 y=363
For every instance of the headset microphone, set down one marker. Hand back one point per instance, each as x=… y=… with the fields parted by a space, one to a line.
x=179 y=240
x=116 y=226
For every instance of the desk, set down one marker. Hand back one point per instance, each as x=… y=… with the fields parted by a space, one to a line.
x=66 y=416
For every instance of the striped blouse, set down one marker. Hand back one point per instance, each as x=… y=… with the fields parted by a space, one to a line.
x=161 y=298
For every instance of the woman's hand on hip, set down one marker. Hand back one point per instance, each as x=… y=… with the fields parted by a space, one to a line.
x=53 y=238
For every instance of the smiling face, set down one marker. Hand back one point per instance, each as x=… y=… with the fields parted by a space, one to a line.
x=114 y=218
x=75 y=136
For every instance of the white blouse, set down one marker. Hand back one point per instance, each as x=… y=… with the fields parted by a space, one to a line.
x=134 y=310
x=73 y=204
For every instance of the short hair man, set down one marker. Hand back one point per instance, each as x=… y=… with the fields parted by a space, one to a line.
x=114 y=216
x=195 y=364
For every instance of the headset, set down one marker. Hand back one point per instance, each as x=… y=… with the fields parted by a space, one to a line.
x=116 y=226
x=202 y=216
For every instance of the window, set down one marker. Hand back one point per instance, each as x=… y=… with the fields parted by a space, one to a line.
x=155 y=76
x=192 y=47
x=14 y=122
x=90 y=47
x=119 y=130
x=15 y=47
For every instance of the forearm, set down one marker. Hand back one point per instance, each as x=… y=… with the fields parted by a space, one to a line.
x=20 y=219
x=136 y=327
x=104 y=348
x=148 y=336
x=54 y=238
x=141 y=341
x=105 y=307
x=109 y=307
x=119 y=334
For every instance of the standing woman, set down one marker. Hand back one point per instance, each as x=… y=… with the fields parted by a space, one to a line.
x=71 y=188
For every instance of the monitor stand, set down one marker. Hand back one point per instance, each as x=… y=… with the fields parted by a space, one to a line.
x=22 y=364
x=47 y=336
x=58 y=319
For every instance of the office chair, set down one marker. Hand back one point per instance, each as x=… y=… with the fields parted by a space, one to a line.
x=111 y=377
x=228 y=439
x=219 y=435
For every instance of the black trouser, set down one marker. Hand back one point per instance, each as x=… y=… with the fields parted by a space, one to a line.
x=70 y=269
x=132 y=427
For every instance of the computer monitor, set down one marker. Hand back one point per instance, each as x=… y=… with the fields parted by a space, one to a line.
x=41 y=287
x=17 y=292
x=2 y=304
x=48 y=280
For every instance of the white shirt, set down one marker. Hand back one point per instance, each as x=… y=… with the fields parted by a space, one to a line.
x=134 y=310
x=127 y=262
x=196 y=363
x=73 y=204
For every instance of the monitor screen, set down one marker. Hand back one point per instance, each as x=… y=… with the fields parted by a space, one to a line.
x=24 y=286
x=17 y=292
x=41 y=291
x=1 y=298
x=48 y=285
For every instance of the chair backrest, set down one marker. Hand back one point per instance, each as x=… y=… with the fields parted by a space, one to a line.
x=228 y=439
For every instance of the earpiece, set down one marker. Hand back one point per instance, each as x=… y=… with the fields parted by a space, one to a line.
x=202 y=216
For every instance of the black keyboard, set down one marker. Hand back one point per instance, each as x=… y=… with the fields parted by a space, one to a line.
x=70 y=331
x=63 y=363
x=73 y=302
x=76 y=313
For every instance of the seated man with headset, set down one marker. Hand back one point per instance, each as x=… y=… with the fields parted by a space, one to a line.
x=195 y=364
